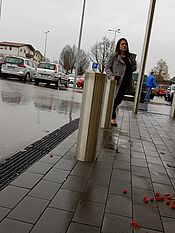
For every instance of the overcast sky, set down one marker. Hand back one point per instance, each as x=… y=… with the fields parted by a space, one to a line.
x=27 y=20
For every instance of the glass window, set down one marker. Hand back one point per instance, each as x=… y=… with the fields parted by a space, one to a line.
x=14 y=60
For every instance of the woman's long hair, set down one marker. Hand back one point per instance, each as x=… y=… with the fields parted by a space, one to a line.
x=118 y=45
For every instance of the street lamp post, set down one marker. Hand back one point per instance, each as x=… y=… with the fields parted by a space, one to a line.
x=115 y=32
x=0 y=8
x=79 y=44
x=45 y=46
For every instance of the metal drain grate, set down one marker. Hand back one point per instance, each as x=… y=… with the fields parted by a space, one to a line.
x=14 y=165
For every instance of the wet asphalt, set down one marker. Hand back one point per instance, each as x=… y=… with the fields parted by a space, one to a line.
x=28 y=113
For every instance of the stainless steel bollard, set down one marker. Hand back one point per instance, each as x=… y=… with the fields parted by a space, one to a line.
x=108 y=100
x=90 y=116
x=172 y=111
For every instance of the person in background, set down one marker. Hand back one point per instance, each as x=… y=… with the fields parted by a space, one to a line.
x=150 y=83
x=119 y=67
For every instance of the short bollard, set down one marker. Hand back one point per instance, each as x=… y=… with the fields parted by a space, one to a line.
x=172 y=111
x=107 y=106
x=90 y=116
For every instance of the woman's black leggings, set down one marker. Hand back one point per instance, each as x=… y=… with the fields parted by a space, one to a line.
x=118 y=99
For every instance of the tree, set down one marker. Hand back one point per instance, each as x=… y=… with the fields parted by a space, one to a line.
x=83 y=62
x=68 y=58
x=100 y=51
x=161 y=70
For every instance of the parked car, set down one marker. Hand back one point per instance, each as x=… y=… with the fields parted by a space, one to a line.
x=1 y=62
x=169 y=93
x=80 y=81
x=50 y=73
x=71 y=78
x=161 y=90
x=20 y=67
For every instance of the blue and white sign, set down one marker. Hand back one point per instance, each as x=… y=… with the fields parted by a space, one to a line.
x=94 y=65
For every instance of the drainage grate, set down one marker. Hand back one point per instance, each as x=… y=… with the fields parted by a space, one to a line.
x=17 y=163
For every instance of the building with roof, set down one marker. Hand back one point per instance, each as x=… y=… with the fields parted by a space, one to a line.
x=20 y=50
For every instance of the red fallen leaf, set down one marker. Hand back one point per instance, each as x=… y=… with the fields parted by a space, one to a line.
x=173 y=206
x=151 y=198
x=135 y=225
x=145 y=199
x=167 y=194
x=161 y=152
x=168 y=202
x=157 y=194
x=158 y=198
x=162 y=198
x=125 y=190
x=169 y=198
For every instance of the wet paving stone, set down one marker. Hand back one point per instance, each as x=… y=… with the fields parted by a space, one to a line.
x=122 y=165
x=156 y=168
x=165 y=210
x=90 y=213
x=138 y=162
x=117 y=187
x=147 y=217
x=95 y=193
x=11 y=226
x=168 y=224
x=140 y=172
x=65 y=164
x=40 y=168
x=143 y=230
x=34 y=207
x=11 y=196
x=66 y=200
x=53 y=221
x=3 y=212
x=119 y=205
x=50 y=159
x=75 y=183
x=80 y=228
x=27 y=180
x=139 y=194
x=82 y=170
x=121 y=175
x=45 y=190
x=56 y=175
x=138 y=155
x=158 y=177
x=114 y=223
x=142 y=182
x=154 y=160
x=162 y=188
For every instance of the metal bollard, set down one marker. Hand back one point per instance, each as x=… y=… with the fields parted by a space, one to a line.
x=108 y=100
x=172 y=111
x=90 y=116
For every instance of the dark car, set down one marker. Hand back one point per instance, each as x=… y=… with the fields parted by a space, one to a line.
x=143 y=92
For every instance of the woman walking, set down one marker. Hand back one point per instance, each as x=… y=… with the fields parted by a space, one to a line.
x=120 y=66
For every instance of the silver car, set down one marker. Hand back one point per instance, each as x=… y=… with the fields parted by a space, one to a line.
x=50 y=73
x=20 y=67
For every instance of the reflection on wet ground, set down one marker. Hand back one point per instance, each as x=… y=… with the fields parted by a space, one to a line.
x=28 y=113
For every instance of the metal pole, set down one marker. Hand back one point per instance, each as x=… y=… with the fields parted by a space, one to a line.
x=0 y=8
x=79 y=44
x=144 y=55
x=45 y=45
x=115 y=32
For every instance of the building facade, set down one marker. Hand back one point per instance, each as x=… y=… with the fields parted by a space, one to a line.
x=20 y=50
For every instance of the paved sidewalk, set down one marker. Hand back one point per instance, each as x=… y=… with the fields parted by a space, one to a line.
x=61 y=195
